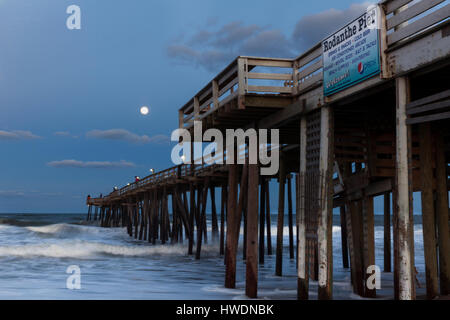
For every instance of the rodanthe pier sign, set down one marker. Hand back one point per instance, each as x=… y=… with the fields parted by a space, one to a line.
x=352 y=54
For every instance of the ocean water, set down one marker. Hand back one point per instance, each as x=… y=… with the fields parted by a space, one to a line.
x=36 y=250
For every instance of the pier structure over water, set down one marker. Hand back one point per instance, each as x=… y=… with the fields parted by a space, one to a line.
x=387 y=135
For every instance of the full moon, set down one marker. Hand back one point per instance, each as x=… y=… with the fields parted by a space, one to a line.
x=144 y=110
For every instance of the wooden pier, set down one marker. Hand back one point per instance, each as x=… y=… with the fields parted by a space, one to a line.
x=386 y=136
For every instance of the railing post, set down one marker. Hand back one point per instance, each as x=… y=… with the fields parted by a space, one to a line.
x=196 y=108
x=215 y=94
x=242 y=78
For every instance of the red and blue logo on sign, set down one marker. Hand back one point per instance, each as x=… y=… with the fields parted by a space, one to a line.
x=360 y=67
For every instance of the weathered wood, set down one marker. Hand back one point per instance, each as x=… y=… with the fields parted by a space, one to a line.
x=324 y=230
x=387 y=232
x=344 y=245
x=369 y=242
x=231 y=238
x=262 y=219
x=428 y=222
x=442 y=214
x=192 y=209
x=302 y=266
x=223 y=201
x=290 y=218
x=214 y=222
x=268 y=219
x=404 y=228
x=280 y=222
x=251 y=284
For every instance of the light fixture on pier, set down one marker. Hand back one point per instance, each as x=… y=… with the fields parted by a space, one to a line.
x=152 y=171
x=183 y=158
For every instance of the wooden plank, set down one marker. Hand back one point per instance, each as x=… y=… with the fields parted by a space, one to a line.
x=391 y=6
x=429 y=118
x=274 y=89
x=309 y=82
x=270 y=63
x=430 y=99
x=411 y=12
x=310 y=69
x=419 y=25
x=309 y=55
x=287 y=113
x=269 y=76
x=429 y=107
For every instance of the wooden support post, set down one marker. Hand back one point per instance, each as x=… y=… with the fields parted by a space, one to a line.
x=302 y=265
x=268 y=220
x=202 y=219
x=192 y=210
x=262 y=219
x=442 y=213
x=369 y=242
x=280 y=222
x=231 y=239
x=251 y=284
x=344 y=242
x=356 y=229
x=223 y=201
x=404 y=227
x=325 y=219
x=387 y=232
x=428 y=222
x=290 y=218
x=214 y=222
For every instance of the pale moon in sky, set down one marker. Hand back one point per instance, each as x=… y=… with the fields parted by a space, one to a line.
x=144 y=110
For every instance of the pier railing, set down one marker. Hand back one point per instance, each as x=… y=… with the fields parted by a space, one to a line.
x=404 y=21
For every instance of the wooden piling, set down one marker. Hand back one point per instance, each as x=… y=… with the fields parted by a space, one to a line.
x=302 y=265
x=428 y=222
x=280 y=222
x=262 y=219
x=442 y=213
x=403 y=194
x=387 y=232
x=268 y=219
x=290 y=217
x=369 y=243
x=231 y=237
x=325 y=221
x=344 y=242
x=223 y=201
x=251 y=284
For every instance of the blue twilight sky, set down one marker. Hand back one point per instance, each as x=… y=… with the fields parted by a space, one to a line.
x=70 y=99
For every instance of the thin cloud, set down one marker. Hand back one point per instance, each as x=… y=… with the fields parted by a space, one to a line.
x=11 y=194
x=17 y=135
x=125 y=135
x=64 y=134
x=91 y=164
x=213 y=47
